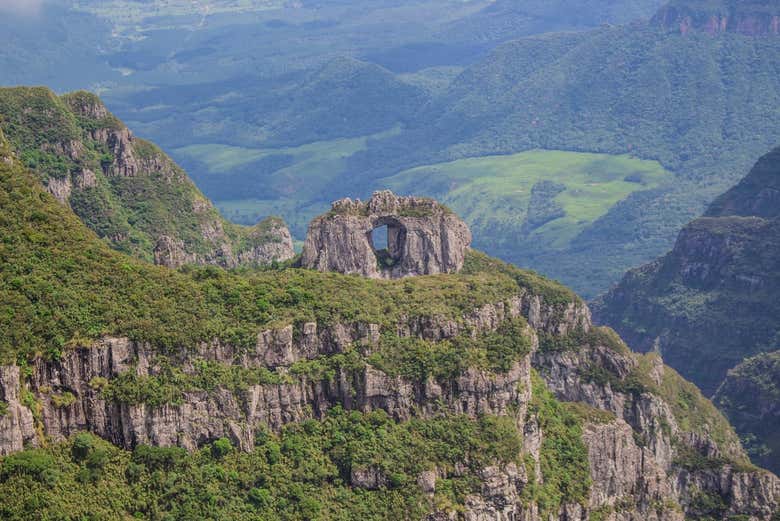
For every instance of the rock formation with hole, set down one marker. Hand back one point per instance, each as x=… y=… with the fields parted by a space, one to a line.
x=423 y=238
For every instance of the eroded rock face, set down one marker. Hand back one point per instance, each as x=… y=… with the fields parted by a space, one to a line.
x=423 y=238
x=632 y=448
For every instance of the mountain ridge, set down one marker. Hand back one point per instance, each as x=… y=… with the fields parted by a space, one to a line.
x=321 y=395
x=712 y=301
x=124 y=188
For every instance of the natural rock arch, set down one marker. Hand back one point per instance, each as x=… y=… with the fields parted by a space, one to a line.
x=423 y=238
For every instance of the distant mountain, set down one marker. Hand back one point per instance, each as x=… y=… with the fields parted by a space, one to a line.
x=750 y=398
x=714 y=300
x=510 y=19
x=702 y=105
x=124 y=188
x=342 y=98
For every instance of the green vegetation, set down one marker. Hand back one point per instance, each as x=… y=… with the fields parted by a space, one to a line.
x=712 y=302
x=494 y=193
x=418 y=359
x=692 y=411
x=746 y=397
x=596 y=336
x=63 y=400
x=248 y=184
x=70 y=288
x=302 y=473
x=553 y=293
x=409 y=357
x=563 y=458
x=574 y=92
x=66 y=139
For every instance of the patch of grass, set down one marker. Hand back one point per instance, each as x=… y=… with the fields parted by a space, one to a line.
x=63 y=400
x=493 y=192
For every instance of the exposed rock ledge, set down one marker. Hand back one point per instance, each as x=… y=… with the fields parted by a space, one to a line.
x=631 y=457
x=205 y=416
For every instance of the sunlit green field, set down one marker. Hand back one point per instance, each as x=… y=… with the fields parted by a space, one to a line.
x=492 y=193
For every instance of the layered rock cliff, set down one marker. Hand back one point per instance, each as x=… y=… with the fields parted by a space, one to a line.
x=646 y=460
x=713 y=301
x=480 y=395
x=754 y=18
x=126 y=189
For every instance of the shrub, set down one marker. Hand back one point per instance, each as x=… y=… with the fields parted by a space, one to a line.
x=260 y=497
x=159 y=458
x=35 y=463
x=98 y=383
x=221 y=448
x=134 y=472
x=82 y=446
x=63 y=400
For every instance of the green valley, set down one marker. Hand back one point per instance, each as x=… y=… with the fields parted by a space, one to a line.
x=502 y=196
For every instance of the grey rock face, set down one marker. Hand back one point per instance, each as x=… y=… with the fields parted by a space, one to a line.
x=17 y=428
x=60 y=188
x=423 y=238
x=631 y=456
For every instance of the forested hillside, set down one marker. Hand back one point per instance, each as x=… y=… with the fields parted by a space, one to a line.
x=124 y=188
x=299 y=395
x=703 y=106
x=714 y=301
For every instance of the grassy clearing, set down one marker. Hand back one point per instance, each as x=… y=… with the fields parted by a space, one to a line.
x=493 y=192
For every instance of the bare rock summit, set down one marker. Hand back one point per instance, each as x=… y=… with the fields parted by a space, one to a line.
x=387 y=237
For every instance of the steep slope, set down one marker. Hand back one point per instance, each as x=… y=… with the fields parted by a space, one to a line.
x=750 y=397
x=713 y=300
x=411 y=399
x=124 y=188
x=751 y=17
x=616 y=90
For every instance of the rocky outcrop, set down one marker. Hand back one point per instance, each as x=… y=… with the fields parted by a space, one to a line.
x=203 y=416
x=17 y=427
x=712 y=301
x=423 y=238
x=126 y=189
x=745 y=18
x=633 y=453
x=638 y=461
x=60 y=188
x=270 y=241
x=170 y=252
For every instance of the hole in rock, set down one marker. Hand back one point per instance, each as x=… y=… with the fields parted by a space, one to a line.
x=387 y=240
